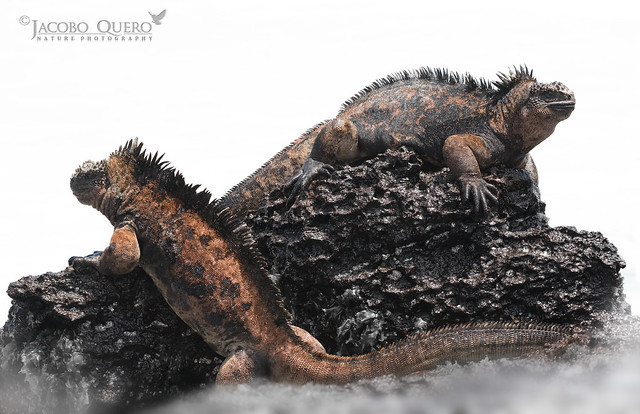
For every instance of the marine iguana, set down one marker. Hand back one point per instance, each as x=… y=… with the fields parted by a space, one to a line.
x=206 y=265
x=460 y=122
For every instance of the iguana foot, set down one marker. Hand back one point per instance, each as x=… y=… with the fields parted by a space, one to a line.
x=239 y=368
x=308 y=339
x=91 y=261
x=479 y=192
x=311 y=169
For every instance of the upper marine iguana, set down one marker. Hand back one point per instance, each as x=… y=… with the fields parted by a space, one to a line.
x=463 y=123
x=206 y=265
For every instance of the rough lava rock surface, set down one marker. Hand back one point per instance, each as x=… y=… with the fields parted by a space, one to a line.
x=383 y=249
x=370 y=254
x=78 y=341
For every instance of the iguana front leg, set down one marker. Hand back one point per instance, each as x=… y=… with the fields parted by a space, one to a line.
x=120 y=257
x=464 y=154
x=336 y=143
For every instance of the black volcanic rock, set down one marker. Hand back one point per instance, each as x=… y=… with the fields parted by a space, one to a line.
x=78 y=340
x=374 y=252
x=383 y=249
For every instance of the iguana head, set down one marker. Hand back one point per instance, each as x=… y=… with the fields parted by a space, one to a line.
x=106 y=184
x=90 y=182
x=546 y=102
x=528 y=110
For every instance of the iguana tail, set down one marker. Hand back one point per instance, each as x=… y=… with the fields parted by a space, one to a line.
x=247 y=195
x=425 y=351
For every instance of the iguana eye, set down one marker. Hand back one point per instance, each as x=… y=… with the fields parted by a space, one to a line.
x=550 y=96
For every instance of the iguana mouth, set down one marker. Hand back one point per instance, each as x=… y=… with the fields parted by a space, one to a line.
x=562 y=105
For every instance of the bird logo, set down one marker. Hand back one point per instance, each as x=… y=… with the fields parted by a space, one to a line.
x=157 y=17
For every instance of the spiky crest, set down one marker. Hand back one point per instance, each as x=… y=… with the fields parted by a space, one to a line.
x=506 y=82
x=441 y=75
x=150 y=167
x=494 y=90
x=474 y=326
x=468 y=327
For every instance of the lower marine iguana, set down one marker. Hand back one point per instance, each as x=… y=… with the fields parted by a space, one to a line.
x=207 y=267
x=460 y=122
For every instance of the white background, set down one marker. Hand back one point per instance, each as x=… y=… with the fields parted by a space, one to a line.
x=222 y=87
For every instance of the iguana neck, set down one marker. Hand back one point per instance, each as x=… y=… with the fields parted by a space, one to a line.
x=519 y=135
x=115 y=204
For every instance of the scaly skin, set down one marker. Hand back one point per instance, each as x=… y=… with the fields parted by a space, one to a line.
x=449 y=120
x=247 y=195
x=206 y=266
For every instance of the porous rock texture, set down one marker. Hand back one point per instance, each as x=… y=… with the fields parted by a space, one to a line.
x=79 y=341
x=368 y=255
x=382 y=249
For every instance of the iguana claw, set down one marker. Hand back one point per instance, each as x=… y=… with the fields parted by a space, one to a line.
x=479 y=192
x=84 y=262
x=311 y=169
